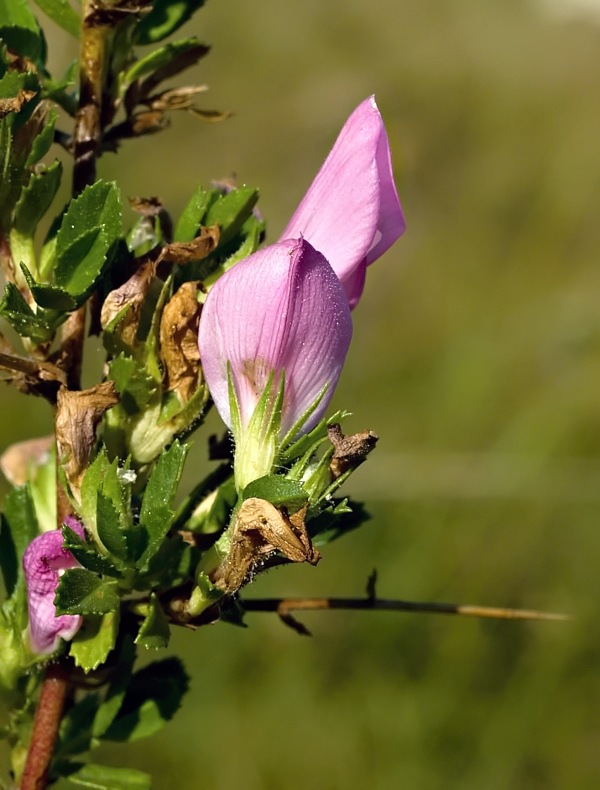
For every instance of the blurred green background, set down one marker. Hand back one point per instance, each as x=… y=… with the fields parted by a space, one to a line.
x=476 y=357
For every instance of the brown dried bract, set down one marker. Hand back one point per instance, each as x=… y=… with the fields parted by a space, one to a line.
x=259 y=530
x=77 y=416
x=349 y=451
x=179 y=342
x=15 y=103
x=132 y=293
x=188 y=251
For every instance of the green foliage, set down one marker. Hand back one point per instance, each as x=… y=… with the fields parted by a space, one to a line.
x=83 y=592
x=154 y=632
x=63 y=14
x=164 y=19
x=103 y=777
x=152 y=698
x=278 y=490
x=95 y=639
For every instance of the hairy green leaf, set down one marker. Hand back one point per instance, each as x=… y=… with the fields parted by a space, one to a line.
x=193 y=214
x=35 y=199
x=94 y=640
x=82 y=592
x=18 y=528
x=230 y=210
x=87 y=554
x=154 y=632
x=21 y=317
x=160 y=59
x=108 y=524
x=156 y=514
x=135 y=385
x=278 y=490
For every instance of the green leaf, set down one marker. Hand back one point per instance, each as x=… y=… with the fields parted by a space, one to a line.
x=94 y=640
x=109 y=529
x=87 y=554
x=165 y=18
x=18 y=528
x=156 y=514
x=82 y=592
x=90 y=485
x=154 y=632
x=230 y=210
x=41 y=144
x=21 y=317
x=278 y=490
x=115 y=695
x=61 y=12
x=36 y=198
x=163 y=56
x=103 y=777
x=16 y=13
x=153 y=697
x=88 y=232
x=192 y=215
x=135 y=385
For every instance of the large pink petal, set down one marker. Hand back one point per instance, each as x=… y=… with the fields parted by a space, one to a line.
x=280 y=309
x=351 y=212
x=44 y=558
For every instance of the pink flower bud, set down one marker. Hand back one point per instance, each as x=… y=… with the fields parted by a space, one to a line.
x=351 y=212
x=281 y=309
x=43 y=562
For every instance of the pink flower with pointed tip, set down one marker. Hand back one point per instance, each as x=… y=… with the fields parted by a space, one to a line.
x=280 y=310
x=43 y=562
x=351 y=212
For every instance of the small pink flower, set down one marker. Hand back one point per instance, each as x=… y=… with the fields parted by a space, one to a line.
x=351 y=212
x=43 y=561
x=281 y=310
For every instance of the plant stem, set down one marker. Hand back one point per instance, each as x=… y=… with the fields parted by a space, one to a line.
x=45 y=728
x=285 y=606
x=87 y=141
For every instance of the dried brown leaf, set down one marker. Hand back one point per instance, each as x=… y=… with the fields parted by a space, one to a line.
x=349 y=451
x=132 y=293
x=77 y=416
x=179 y=342
x=15 y=103
x=195 y=250
x=259 y=530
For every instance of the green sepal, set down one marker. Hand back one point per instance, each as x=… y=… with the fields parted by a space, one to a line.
x=82 y=592
x=165 y=18
x=153 y=697
x=156 y=514
x=310 y=441
x=154 y=632
x=95 y=640
x=277 y=490
x=61 y=12
x=104 y=777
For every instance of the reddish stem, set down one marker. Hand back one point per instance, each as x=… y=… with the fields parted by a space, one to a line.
x=45 y=728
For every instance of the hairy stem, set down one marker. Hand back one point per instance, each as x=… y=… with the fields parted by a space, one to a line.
x=45 y=728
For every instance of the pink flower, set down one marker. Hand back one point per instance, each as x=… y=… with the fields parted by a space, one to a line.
x=43 y=561
x=351 y=212
x=281 y=310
